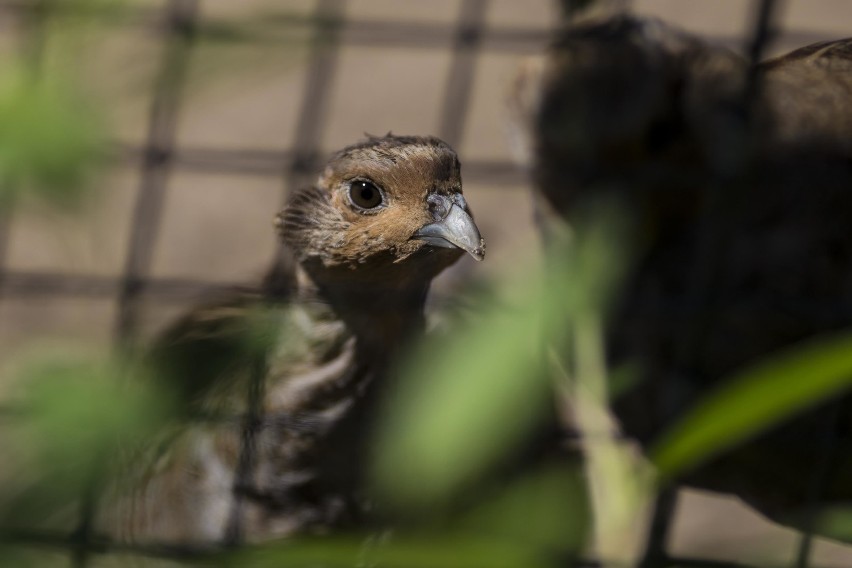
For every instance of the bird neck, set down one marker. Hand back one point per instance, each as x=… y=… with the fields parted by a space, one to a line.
x=382 y=309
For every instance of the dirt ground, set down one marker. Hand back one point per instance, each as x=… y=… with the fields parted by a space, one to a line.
x=248 y=96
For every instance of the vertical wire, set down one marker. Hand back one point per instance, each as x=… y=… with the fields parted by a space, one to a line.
x=322 y=65
x=820 y=475
x=456 y=103
x=181 y=19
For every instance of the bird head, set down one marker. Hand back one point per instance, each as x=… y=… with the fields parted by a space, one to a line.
x=386 y=206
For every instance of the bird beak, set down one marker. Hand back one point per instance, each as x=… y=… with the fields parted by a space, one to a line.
x=455 y=227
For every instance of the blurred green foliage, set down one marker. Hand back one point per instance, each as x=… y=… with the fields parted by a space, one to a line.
x=546 y=510
x=50 y=138
x=835 y=522
x=77 y=417
x=429 y=551
x=32 y=558
x=52 y=127
x=458 y=414
x=755 y=399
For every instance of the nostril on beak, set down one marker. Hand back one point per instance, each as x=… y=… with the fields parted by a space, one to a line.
x=460 y=201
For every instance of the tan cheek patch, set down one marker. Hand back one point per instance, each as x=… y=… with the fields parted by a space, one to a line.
x=389 y=230
x=397 y=223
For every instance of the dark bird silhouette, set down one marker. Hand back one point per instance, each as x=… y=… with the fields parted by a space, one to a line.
x=736 y=185
x=384 y=218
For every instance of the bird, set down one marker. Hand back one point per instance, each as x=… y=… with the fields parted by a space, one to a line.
x=735 y=190
x=359 y=249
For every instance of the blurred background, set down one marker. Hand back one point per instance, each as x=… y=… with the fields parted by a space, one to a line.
x=201 y=115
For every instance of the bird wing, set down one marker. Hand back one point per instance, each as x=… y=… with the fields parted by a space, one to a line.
x=807 y=96
x=835 y=53
x=206 y=353
x=180 y=485
x=204 y=356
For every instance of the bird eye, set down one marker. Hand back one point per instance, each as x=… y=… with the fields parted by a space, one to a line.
x=365 y=195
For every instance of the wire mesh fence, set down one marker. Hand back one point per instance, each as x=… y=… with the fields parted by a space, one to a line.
x=178 y=26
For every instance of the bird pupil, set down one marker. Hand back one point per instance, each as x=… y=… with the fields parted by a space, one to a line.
x=365 y=195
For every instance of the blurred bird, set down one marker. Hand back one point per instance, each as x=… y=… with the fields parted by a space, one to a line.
x=384 y=218
x=736 y=186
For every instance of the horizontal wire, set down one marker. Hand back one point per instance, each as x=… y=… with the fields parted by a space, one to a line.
x=266 y=162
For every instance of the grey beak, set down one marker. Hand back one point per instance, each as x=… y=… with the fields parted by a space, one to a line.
x=455 y=230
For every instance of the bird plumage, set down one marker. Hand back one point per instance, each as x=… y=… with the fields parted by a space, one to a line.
x=384 y=218
x=737 y=192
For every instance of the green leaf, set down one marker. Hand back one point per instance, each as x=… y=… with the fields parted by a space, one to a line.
x=397 y=552
x=836 y=523
x=755 y=399
x=548 y=510
x=21 y=557
x=77 y=417
x=50 y=139
x=466 y=401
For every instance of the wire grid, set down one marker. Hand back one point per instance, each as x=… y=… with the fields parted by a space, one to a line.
x=179 y=24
